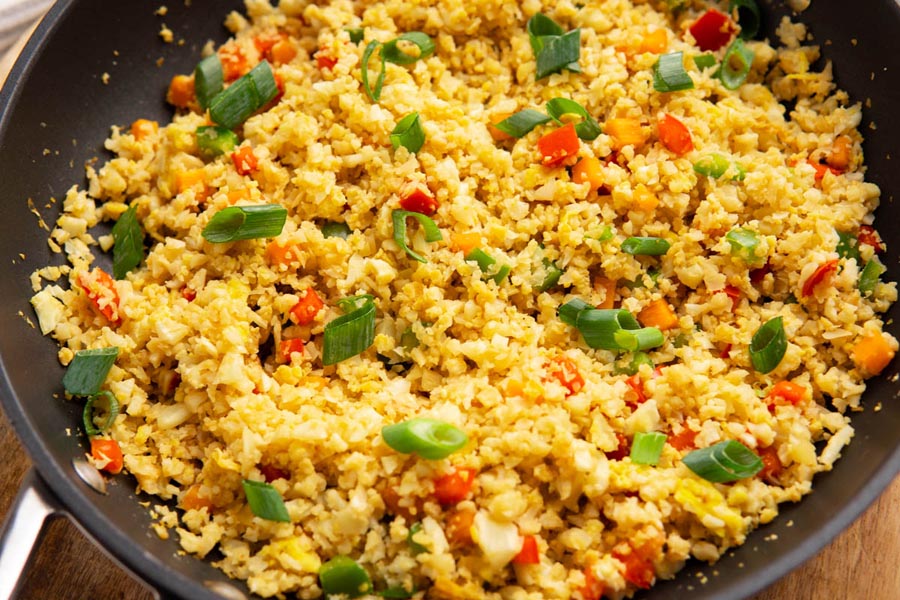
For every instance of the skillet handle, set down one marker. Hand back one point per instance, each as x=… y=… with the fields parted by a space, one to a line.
x=23 y=529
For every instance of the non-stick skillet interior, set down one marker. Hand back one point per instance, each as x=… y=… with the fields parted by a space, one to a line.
x=57 y=113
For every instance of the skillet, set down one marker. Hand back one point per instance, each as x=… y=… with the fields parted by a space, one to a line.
x=93 y=63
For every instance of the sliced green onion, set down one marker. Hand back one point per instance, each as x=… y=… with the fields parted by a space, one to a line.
x=646 y=448
x=705 y=61
x=373 y=94
x=208 y=80
x=712 y=165
x=487 y=264
x=644 y=338
x=868 y=278
x=748 y=17
x=646 y=246
x=613 y=329
x=551 y=275
x=265 y=501
x=344 y=576
x=244 y=97
x=88 y=370
x=356 y=34
x=743 y=244
x=112 y=411
x=415 y=547
x=554 y=49
x=263 y=78
x=847 y=246
x=724 y=462
x=588 y=129
x=393 y=53
x=431 y=439
x=408 y=133
x=128 y=248
x=352 y=333
x=735 y=65
x=768 y=345
x=432 y=233
x=669 y=74
x=522 y=122
x=409 y=340
x=335 y=229
x=634 y=365
x=397 y=591
x=245 y=223
x=741 y=172
x=214 y=140
x=606 y=235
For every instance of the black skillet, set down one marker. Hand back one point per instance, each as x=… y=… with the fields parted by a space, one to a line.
x=93 y=63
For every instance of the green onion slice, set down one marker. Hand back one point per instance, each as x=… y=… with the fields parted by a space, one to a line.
x=748 y=17
x=352 y=333
x=869 y=276
x=245 y=223
x=644 y=338
x=344 y=576
x=208 y=80
x=705 y=61
x=432 y=233
x=265 y=501
x=554 y=49
x=613 y=329
x=111 y=407
x=669 y=74
x=646 y=448
x=487 y=264
x=88 y=370
x=606 y=235
x=431 y=439
x=244 y=97
x=409 y=340
x=847 y=246
x=646 y=246
x=128 y=248
x=633 y=366
x=408 y=133
x=415 y=547
x=396 y=591
x=712 y=165
x=743 y=244
x=522 y=122
x=724 y=462
x=374 y=94
x=768 y=345
x=735 y=65
x=356 y=34
x=393 y=52
x=335 y=229
x=588 y=129
x=215 y=140
x=550 y=276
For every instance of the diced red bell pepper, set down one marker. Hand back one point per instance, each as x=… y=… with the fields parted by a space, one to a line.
x=101 y=291
x=415 y=198
x=306 y=309
x=675 y=135
x=712 y=30
x=639 y=570
x=454 y=487
x=757 y=275
x=821 y=169
x=622 y=450
x=682 y=440
x=288 y=347
x=818 y=276
x=592 y=588
x=772 y=466
x=559 y=146
x=787 y=391
x=566 y=373
x=867 y=235
x=325 y=62
x=245 y=160
x=107 y=454
x=529 y=554
x=733 y=293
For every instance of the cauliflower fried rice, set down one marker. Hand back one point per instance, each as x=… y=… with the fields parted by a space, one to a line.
x=221 y=378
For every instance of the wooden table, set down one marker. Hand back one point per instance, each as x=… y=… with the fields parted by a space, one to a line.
x=863 y=563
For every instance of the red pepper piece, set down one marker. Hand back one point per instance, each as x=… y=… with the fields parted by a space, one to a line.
x=712 y=30
x=818 y=276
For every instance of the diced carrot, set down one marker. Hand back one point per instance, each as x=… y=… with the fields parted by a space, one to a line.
x=682 y=440
x=675 y=135
x=822 y=273
x=234 y=196
x=872 y=353
x=839 y=157
x=306 y=309
x=625 y=132
x=608 y=287
x=282 y=253
x=282 y=52
x=186 y=180
x=772 y=466
x=655 y=41
x=100 y=289
x=459 y=527
x=288 y=347
x=453 y=487
x=529 y=554
x=589 y=170
x=181 y=91
x=416 y=197
x=638 y=571
x=142 y=128
x=107 y=455
x=193 y=500
x=658 y=314
x=325 y=62
x=788 y=391
x=565 y=371
x=245 y=160
x=234 y=63
x=592 y=588
x=643 y=199
x=560 y=146
x=637 y=386
x=465 y=242
x=496 y=134
x=822 y=169
x=514 y=388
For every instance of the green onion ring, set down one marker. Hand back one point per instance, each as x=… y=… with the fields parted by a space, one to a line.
x=343 y=576
x=432 y=233
x=373 y=94
x=431 y=439
x=128 y=248
x=732 y=77
x=748 y=17
x=724 y=462
x=669 y=74
x=112 y=411
x=588 y=129
x=88 y=370
x=646 y=448
x=645 y=246
x=352 y=333
x=245 y=223
x=408 y=133
x=265 y=501
x=520 y=123
x=768 y=345
x=393 y=54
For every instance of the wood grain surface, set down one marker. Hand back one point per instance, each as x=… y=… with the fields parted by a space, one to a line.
x=863 y=563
